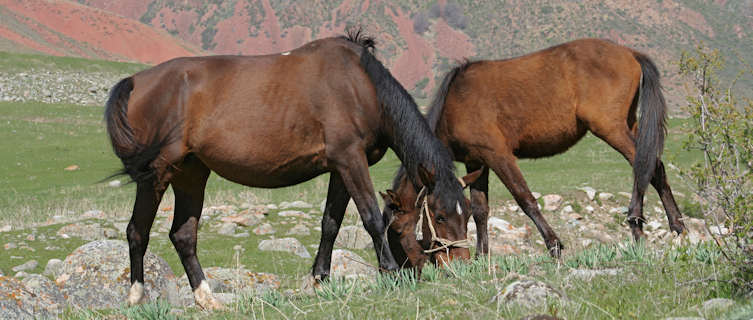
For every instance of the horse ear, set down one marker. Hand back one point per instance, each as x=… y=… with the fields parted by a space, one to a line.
x=470 y=178
x=426 y=176
x=391 y=200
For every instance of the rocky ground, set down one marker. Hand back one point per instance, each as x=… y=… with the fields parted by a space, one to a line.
x=82 y=88
x=96 y=274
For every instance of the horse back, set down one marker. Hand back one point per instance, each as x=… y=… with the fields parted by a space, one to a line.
x=542 y=103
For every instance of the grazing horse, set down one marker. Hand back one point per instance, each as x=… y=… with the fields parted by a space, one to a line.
x=272 y=121
x=490 y=113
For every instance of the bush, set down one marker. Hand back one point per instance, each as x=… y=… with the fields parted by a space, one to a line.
x=722 y=129
x=453 y=14
x=420 y=23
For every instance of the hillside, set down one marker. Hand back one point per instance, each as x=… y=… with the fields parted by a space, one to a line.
x=419 y=40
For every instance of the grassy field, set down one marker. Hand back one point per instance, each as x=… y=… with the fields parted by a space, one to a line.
x=40 y=140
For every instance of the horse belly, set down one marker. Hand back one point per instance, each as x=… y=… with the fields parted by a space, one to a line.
x=548 y=140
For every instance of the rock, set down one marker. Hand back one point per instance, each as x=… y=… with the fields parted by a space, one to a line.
x=28 y=265
x=719 y=230
x=299 y=230
x=598 y=235
x=653 y=225
x=10 y=246
x=245 y=218
x=6 y=228
x=568 y=209
x=241 y=235
x=590 y=192
x=713 y=306
x=536 y=195
x=588 y=274
x=348 y=265
x=507 y=231
x=497 y=248
x=528 y=293
x=263 y=229
x=551 y=201
x=291 y=245
x=619 y=210
x=72 y=167
x=227 y=229
x=590 y=209
x=293 y=213
x=230 y=281
x=95 y=214
x=497 y=223
x=18 y=302
x=605 y=196
x=97 y=275
x=1 y=272
x=625 y=194
x=696 y=231
x=45 y=289
x=295 y=204
x=353 y=237
x=89 y=232
x=586 y=243
x=114 y=183
x=54 y=268
x=574 y=216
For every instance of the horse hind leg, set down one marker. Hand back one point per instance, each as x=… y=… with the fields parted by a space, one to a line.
x=188 y=187
x=148 y=197
x=659 y=181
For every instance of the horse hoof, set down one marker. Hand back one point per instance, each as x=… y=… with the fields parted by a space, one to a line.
x=136 y=294
x=678 y=227
x=204 y=298
x=555 y=248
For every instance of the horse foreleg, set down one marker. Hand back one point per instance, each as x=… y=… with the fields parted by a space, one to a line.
x=332 y=218
x=137 y=232
x=508 y=171
x=480 y=209
x=354 y=170
x=188 y=187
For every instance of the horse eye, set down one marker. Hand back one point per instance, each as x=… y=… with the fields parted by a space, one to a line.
x=441 y=219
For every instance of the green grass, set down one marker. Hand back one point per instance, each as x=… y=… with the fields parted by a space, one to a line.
x=21 y=62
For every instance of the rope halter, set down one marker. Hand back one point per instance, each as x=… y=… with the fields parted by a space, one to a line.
x=445 y=244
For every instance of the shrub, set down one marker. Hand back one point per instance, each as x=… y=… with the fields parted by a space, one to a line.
x=722 y=129
x=420 y=23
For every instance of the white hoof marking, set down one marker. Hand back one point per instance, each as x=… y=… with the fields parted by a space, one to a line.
x=136 y=294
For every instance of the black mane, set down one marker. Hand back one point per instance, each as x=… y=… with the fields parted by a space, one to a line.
x=411 y=137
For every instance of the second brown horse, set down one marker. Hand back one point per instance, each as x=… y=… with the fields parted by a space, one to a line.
x=491 y=113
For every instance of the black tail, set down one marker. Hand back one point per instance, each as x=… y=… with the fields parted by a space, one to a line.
x=652 y=126
x=437 y=105
x=136 y=157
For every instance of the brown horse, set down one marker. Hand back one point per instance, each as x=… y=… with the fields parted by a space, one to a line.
x=273 y=121
x=490 y=113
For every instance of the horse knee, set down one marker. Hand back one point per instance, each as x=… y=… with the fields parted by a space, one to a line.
x=184 y=242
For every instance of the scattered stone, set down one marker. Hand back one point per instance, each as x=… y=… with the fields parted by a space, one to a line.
x=45 y=289
x=54 y=268
x=513 y=207
x=95 y=214
x=226 y=282
x=598 y=235
x=6 y=228
x=586 y=243
x=719 y=230
x=353 y=237
x=528 y=293
x=536 y=195
x=605 y=196
x=588 y=274
x=114 y=183
x=497 y=248
x=575 y=216
x=263 y=229
x=291 y=245
x=72 y=167
x=18 y=302
x=712 y=306
x=293 y=213
x=590 y=209
x=348 y=265
x=227 y=229
x=20 y=275
x=567 y=209
x=245 y=218
x=89 y=232
x=10 y=246
x=295 y=204
x=31 y=237
x=590 y=192
x=625 y=194
x=97 y=275
x=299 y=230
x=653 y=225
x=28 y=265
x=552 y=201
x=619 y=210
x=696 y=231
x=241 y=235
x=507 y=231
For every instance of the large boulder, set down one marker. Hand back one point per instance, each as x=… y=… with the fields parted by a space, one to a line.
x=18 y=302
x=97 y=275
x=353 y=237
x=233 y=281
x=45 y=290
x=88 y=231
x=528 y=293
